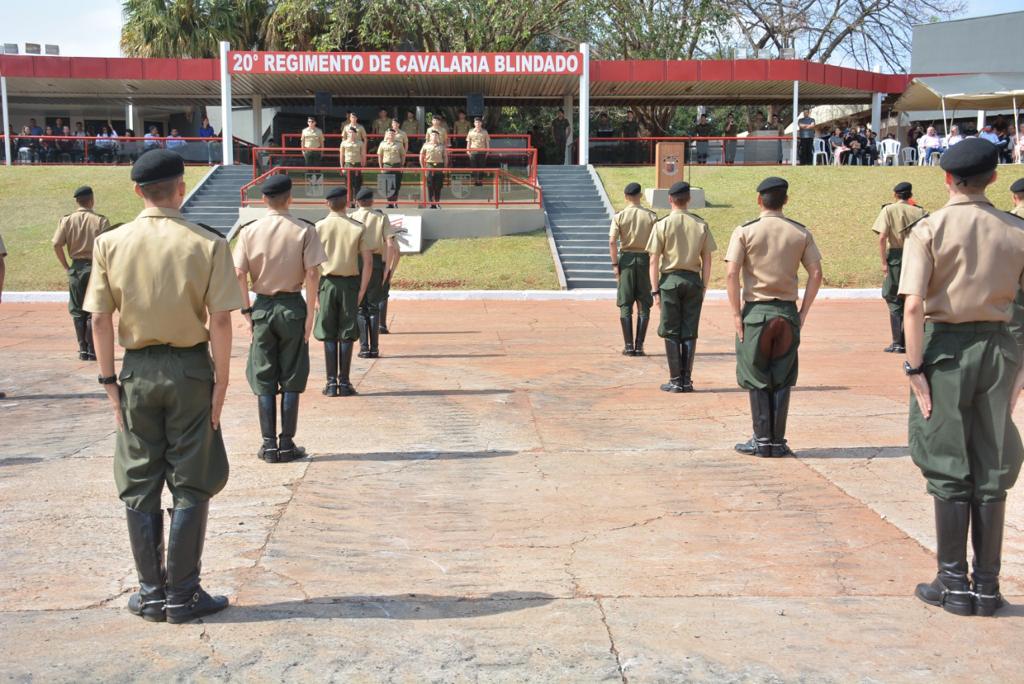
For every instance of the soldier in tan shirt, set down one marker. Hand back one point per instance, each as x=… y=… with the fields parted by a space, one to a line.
x=312 y=142
x=391 y=155
x=380 y=238
x=629 y=233
x=279 y=254
x=1017 y=322
x=680 y=249
x=76 y=233
x=963 y=265
x=165 y=276
x=353 y=156
x=349 y=254
x=478 y=139
x=438 y=126
x=767 y=253
x=434 y=155
x=353 y=122
x=382 y=123
x=401 y=137
x=462 y=125
x=892 y=225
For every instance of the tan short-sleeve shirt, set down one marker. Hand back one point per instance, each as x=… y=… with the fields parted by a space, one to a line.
x=276 y=251
x=162 y=273
x=390 y=152
x=966 y=260
x=312 y=137
x=411 y=126
x=632 y=228
x=378 y=228
x=893 y=221
x=352 y=153
x=683 y=241
x=380 y=126
x=462 y=127
x=78 y=230
x=441 y=132
x=478 y=140
x=770 y=250
x=360 y=131
x=343 y=241
x=433 y=154
x=402 y=138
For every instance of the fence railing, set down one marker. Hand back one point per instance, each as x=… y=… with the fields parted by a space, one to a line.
x=521 y=162
x=405 y=187
x=62 y=149
x=717 y=149
x=502 y=140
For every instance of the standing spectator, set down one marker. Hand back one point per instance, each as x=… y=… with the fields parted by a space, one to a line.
x=731 y=130
x=206 y=131
x=152 y=139
x=561 y=129
x=311 y=140
x=775 y=124
x=702 y=130
x=437 y=126
x=34 y=128
x=805 y=138
x=1018 y=145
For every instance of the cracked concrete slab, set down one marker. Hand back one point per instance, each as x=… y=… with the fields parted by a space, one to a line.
x=508 y=499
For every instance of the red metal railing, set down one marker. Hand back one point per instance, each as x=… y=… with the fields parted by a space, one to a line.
x=713 y=150
x=513 y=140
x=62 y=149
x=481 y=187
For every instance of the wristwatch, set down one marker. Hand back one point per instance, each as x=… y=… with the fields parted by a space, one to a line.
x=910 y=370
x=246 y=311
x=109 y=380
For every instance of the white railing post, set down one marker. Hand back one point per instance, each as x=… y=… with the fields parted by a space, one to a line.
x=227 y=137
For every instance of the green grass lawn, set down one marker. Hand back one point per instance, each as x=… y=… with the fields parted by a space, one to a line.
x=838 y=205
x=32 y=202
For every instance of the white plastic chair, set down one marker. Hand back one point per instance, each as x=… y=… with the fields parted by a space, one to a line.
x=908 y=156
x=890 y=149
x=819 y=150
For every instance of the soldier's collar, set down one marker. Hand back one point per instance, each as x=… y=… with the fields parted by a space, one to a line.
x=337 y=214
x=676 y=210
x=157 y=212
x=772 y=212
x=968 y=199
x=277 y=212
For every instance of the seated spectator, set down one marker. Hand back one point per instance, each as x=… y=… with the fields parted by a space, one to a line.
x=988 y=134
x=66 y=145
x=855 y=142
x=929 y=144
x=79 y=135
x=1018 y=145
x=47 y=152
x=871 y=149
x=953 y=138
x=152 y=140
x=105 y=146
x=26 y=146
x=34 y=128
x=206 y=130
x=175 y=140
x=837 y=146
x=130 y=149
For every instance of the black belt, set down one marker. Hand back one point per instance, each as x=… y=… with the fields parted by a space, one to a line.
x=168 y=349
x=280 y=295
x=973 y=326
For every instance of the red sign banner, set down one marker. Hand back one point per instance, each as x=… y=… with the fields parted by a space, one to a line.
x=406 y=63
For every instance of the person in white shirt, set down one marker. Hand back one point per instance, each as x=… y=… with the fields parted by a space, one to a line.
x=988 y=134
x=929 y=144
x=954 y=137
x=175 y=139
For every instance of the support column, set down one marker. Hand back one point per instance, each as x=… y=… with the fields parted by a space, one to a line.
x=136 y=122
x=227 y=134
x=584 y=128
x=421 y=115
x=876 y=114
x=981 y=120
x=796 y=128
x=7 y=120
x=257 y=120
x=565 y=156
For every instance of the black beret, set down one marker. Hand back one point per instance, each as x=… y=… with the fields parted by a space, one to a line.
x=970 y=157
x=680 y=188
x=83 y=191
x=772 y=183
x=903 y=187
x=632 y=189
x=364 y=193
x=1018 y=186
x=337 y=192
x=157 y=165
x=276 y=184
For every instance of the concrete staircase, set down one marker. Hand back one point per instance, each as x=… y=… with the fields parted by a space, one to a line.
x=579 y=223
x=216 y=201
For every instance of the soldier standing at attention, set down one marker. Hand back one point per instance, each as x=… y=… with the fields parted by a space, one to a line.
x=478 y=139
x=963 y=266
x=393 y=256
x=411 y=128
x=434 y=155
x=630 y=231
x=353 y=122
x=380 y=239
x=680 y=248
x=76 y=233
x=768 y=252
x=560 y=129
x=1017 y=322
x=438 y=126
x=353 y=156
x=892 y=226
x=382 y=123
x=341 y=289
x=462 y=125
x=401 y=137
x=390 y=155
x=164 y=276
x=312 y=141
x=279 y=253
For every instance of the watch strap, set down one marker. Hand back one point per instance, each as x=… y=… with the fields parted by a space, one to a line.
x=108 y=380
x=246 y=311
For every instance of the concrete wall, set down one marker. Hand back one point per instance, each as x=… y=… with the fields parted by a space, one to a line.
x=968 y=45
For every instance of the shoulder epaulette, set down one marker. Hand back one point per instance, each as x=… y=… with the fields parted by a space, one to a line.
x=247 y=223
x=206 y=227
x=697 y=216
x=1016 y=216
x=886 y=205
x=913 y=223
x=795 y=222
x=64 y=216
x=378 y=211
x=306 y=221
x=750 y=221
x=116 y=225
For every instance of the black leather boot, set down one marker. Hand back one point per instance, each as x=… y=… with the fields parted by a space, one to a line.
x=287 y=451
x=687 y=350
x=641 y=335
x=146 y=536
x=761 y=416
x=780 y=413
x=384 y=318
x=950 y=588
x=267 y=404
x=675 y=367
x=627 y=336
x=345 y=388
x=331 y=359
x=90 y=345
x=186 y=599
x=987 y=520
x=374 y=326
x=364 y=334
x=896 y=328
x=83 y=348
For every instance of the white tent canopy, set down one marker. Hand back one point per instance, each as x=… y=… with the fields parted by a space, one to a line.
x=968 y=91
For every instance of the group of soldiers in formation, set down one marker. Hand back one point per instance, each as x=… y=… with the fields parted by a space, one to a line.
x=175 y=284
x=393 y=149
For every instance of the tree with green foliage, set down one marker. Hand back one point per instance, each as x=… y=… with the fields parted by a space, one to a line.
x=190 y=28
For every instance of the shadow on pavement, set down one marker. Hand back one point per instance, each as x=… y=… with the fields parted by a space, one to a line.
x=401 y=607
x=436 y=332
x=863 y=453
x=55 y=397
x=446 y=356
x=414 y=456
x=436 y=393
x=809 y=388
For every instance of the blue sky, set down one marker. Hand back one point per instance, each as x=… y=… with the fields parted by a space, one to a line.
x=92 y=29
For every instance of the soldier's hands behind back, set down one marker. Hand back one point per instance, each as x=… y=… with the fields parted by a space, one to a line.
x=220 y=391
x=923 y=393
x=114 y=394
x=737 y=322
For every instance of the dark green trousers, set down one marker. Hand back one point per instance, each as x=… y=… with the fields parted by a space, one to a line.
x=754 y=368
x=891 y=284
x=969 y=449
x=1017 y=322
x=279 y=354
x=167 y=437
x=682 y=297
x=634 y=284
x=336 y=319
x=375 y=290
x=78 y=283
